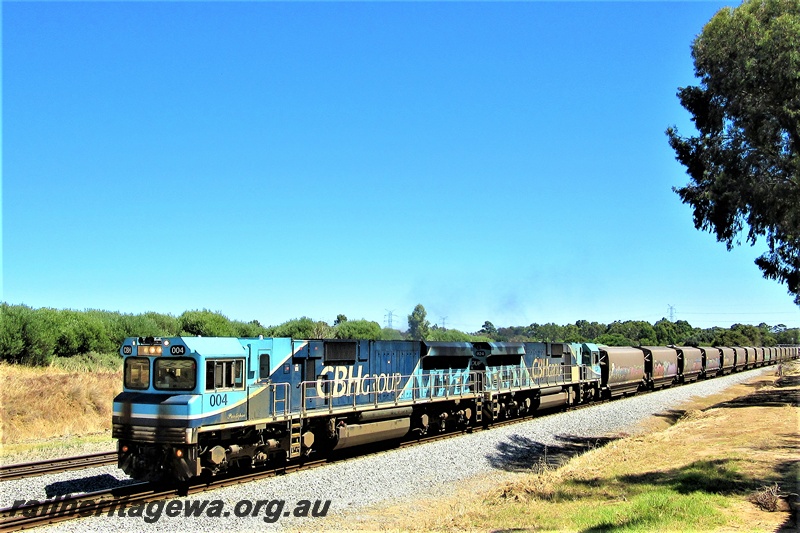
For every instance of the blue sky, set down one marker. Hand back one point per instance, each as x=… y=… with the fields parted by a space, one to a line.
x=502 y=162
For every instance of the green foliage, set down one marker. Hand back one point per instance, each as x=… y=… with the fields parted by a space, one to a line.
x=752 y=334
x=572 y=333
x=248 y=329
x=206 y=324
x=549 y=332
x=730 y=338
x=388 y=334
x=787 y=336
x=12 y=341
x=298 y=328
x=358 y=329
x=488 y=330
x=418 y=325
x=144 y=326
x=165 y=325
x=642 y=332
x=745 y=162
x=26 y=336
x=82 y=332
x=665 y=332
x=512 y=334
x=590 y=330
x=92 y=338
x=322 y=330
x=614 y=339
x=453 y=335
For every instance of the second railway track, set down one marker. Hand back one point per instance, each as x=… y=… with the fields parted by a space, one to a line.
x=54 y=466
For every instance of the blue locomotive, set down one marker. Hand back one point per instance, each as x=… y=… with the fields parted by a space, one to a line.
x=199 y=404
x=194 y=405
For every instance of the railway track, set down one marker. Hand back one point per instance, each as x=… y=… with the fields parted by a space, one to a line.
x=108 y=502
x=54 y=466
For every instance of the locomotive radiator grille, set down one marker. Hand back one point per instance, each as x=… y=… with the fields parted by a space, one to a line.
x=161 y=435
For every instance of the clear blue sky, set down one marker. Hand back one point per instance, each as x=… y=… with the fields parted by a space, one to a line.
x=502 y=162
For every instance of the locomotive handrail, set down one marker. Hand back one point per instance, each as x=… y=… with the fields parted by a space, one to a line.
x=588 y=373
x=286 y=400
x=513 y=378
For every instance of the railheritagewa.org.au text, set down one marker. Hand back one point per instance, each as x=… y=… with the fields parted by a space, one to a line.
x=270 y=510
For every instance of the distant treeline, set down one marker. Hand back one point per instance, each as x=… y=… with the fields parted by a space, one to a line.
x=640 y=333
x=37 y=336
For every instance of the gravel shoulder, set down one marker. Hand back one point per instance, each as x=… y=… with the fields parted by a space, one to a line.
x=358 y=489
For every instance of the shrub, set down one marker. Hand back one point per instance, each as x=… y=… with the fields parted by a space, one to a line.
x=767 y=498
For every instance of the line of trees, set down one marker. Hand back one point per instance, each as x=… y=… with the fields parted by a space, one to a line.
x=37 y=336
x=627 y=333
x=640 y=333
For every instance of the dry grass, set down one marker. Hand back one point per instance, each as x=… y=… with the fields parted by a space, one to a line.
x=37 y=404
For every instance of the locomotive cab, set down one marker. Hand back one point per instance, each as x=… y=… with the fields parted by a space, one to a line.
x=160 y=393
x=186 y=402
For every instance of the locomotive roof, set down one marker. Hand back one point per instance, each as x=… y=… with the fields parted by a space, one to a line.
x=210 y=346
x=214 y=345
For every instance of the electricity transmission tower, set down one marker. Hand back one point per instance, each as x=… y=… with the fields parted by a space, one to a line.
x=388 y=318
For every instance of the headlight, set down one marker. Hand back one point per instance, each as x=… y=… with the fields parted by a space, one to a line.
x=148 y=350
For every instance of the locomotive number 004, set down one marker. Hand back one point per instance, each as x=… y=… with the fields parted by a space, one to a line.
x=218 y=399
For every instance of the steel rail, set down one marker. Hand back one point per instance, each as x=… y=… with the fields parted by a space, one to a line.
x=53 y=466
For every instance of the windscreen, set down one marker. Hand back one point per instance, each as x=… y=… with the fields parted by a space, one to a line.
x=137 y=373
x=174 y=373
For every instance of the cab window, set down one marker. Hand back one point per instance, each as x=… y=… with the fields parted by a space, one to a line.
x=263 y=366
x=174 y=373
x=137 y=372
x=224 y=374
